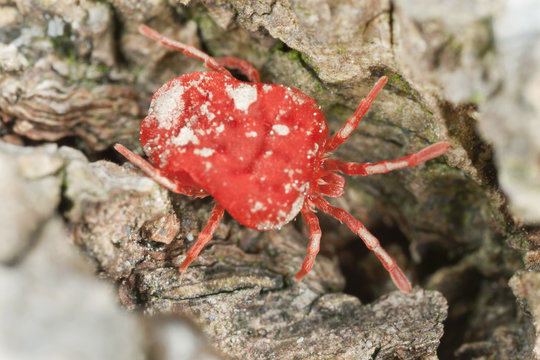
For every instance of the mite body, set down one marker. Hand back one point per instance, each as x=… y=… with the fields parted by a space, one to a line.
x=260 y=150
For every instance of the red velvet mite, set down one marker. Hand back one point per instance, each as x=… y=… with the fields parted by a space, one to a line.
x=261 y=150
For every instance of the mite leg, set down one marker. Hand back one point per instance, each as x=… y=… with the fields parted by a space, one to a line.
x=189 y=50
x=371 y=242
x=204 y=236
x=343 y=134
x=157 y=176
x=382 y=167
x=314 y=241
x=243 y=66
x=330 y=184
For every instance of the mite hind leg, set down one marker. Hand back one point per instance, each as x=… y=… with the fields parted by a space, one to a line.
x=204 y=237
x=189 y=50
x=397 y=275
x=243 y=66
x=314 y=241
x=158 y=176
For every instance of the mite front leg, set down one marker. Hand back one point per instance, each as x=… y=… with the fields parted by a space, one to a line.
x=204 y=237
x=156 y=174
x=243 y=66
x=371 y=242
x=382 y=167
x=352 y=123
x=314 y=241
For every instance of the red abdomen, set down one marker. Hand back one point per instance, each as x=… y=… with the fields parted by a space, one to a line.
x=256 y=148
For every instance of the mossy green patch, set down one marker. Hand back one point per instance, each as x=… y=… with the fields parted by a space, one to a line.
x=63 y=46
x=397 y=82
x=338 y=112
